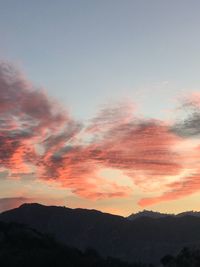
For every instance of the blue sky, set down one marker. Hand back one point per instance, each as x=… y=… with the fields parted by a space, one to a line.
x=91 y=53
x=87 y=53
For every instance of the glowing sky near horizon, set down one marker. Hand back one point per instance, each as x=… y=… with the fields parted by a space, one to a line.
x=100 y=104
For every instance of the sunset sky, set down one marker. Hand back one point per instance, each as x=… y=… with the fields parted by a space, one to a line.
x=100 y=104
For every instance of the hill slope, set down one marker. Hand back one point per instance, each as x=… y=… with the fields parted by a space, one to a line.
x=147 y=213
x=21 y=246
x=157 y=215
x=144 y=239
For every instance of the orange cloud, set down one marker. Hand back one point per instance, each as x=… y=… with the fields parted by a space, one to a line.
x=28 y=117
x=38 y=135
x=185 y=187
x=130 y=146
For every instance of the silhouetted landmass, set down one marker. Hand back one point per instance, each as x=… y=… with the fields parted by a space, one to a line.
x=144 y=239
x=148 y=213
x=185 y=258
x=157 y=215
x=21 y=246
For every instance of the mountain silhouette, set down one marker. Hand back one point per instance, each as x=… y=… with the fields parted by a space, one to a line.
x=21 y=246
x=157 y=215
x=148 y=213
x=142 y=239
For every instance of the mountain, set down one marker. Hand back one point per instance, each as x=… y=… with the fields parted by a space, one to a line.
x=157 y=215
x=148 y=213
x=185 y=258
x=143 y=239
x=189 y=213
x=21 y=246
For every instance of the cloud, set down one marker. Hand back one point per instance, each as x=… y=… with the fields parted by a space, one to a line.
x=28 y=117
x=119 y=141
x=189 y=126
x=144 y=146
x=39 y=136
x=36 y=134
x=180 y=189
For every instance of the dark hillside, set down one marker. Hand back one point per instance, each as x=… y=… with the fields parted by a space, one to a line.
x=143 y=239
x=21 y=246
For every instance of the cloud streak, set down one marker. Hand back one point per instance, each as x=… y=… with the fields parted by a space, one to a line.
x=189 y=126
x=177 y=190
x=37 y=135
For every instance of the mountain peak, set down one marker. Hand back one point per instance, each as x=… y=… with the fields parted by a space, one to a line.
x=31 y=205
x=158 y=215
x=114 y=236
x=148 y=213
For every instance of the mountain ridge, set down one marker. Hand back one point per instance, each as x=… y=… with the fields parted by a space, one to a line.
x=143 y=239
x=143 y=213
x=31 y=248
x=156 y=214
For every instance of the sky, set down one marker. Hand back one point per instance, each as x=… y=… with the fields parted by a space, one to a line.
x=100 y=104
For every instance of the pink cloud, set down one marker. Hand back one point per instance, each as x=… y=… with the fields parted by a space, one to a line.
x=38 y=134
x=177 y=190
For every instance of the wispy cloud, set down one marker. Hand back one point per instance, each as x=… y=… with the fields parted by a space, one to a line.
x=39 y=136
x=189 y=125
x=177 y=190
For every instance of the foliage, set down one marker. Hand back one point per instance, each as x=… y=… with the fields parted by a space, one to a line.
x=186 y=258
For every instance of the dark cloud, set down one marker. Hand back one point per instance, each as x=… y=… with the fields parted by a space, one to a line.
x=190 y=125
